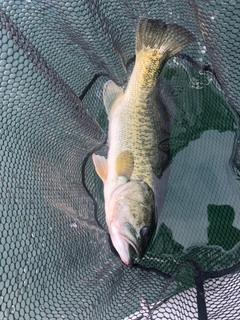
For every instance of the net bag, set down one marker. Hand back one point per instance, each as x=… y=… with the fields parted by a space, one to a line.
x=57 y=261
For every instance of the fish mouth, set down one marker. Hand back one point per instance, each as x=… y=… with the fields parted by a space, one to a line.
x=126 y=241
x=135 y=245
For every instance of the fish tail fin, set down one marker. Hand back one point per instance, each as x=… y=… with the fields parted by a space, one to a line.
x=168 y=38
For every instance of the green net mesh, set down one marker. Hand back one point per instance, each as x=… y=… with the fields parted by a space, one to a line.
x=57 y=261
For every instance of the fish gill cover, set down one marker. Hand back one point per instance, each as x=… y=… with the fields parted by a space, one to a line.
x=56 y=258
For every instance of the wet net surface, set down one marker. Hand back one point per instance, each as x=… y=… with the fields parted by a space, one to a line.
x=56 y=258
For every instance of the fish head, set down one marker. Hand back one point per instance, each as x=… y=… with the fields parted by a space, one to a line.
x=131 y=219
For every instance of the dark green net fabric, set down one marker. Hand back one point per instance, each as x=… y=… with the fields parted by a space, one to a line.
x=56 y=258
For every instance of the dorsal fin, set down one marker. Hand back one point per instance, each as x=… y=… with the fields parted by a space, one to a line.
x=110 y=94
x=125 y=164
x=100 y=164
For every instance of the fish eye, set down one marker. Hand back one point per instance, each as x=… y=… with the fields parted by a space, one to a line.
x=145 y=232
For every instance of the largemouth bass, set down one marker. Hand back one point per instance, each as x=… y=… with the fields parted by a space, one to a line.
x=138 y=140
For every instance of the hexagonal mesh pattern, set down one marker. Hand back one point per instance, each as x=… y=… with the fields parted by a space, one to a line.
x=56 y=258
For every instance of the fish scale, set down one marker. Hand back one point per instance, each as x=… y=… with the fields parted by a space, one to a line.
x=136 y=134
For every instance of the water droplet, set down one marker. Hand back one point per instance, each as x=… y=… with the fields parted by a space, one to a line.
x=175 y=61
x=73 y=225
x=194 y=83
x=12 y=309
x=33 y=235
x=27 y=288
x=99 y=94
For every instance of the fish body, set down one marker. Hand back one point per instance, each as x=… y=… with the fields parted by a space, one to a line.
x=138 y=139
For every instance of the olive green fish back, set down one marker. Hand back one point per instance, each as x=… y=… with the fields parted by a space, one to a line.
x=56 y=258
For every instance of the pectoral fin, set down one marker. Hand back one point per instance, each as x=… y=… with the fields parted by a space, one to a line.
x=125 y=164
x=160 y=192
x=111 y=92
x=100 y=164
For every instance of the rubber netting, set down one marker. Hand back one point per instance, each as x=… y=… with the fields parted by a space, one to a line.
x=56 y=258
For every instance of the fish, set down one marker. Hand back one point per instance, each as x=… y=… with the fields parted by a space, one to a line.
x=138 y=140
